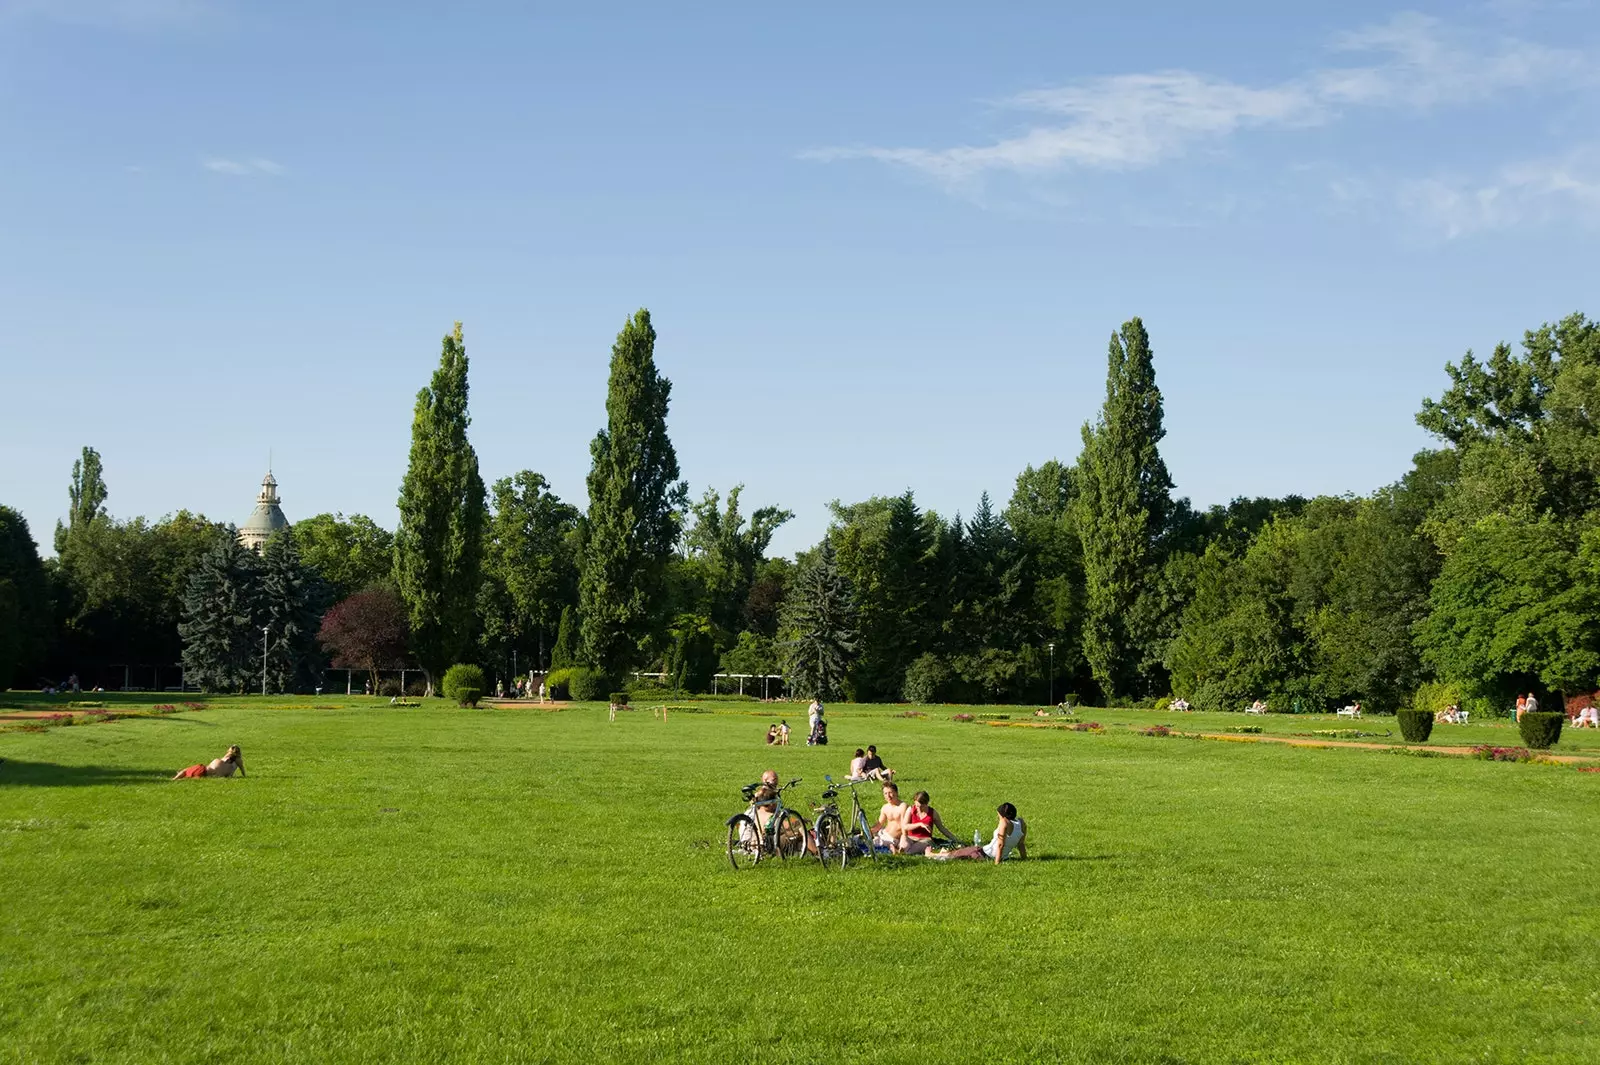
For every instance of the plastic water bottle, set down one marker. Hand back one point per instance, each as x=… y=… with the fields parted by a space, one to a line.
x=977 y=837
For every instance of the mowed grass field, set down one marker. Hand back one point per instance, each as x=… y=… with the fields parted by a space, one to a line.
x=517 y=885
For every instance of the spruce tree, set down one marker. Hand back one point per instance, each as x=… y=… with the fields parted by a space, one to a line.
x=221 y=626
x=819 y=628
x=1124 y=500
x=635 y=507
x=438 y=547
x=292 y=598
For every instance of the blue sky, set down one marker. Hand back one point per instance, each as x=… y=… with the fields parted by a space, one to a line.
x=882 y=250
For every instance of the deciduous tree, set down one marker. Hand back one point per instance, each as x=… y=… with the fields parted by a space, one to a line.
x=439 y=542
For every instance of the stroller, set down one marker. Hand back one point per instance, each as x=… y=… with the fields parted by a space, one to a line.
x=819 y=735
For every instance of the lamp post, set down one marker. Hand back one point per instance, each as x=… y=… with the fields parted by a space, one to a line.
x=1052 y=675
x=263 y=660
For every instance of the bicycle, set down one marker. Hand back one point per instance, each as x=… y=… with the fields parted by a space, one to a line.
x=785 y=833
x=836 y=844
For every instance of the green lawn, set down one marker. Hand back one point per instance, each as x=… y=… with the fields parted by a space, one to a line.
x=515 y=885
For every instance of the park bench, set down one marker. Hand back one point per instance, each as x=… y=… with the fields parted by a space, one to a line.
x=1348 y=711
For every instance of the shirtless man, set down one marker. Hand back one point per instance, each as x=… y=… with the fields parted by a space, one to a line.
x=890 y=818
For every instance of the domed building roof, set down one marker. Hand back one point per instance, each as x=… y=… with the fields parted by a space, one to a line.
x=266 y=519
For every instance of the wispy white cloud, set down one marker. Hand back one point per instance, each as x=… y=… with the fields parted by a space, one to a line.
x=1536 y=191
x=243 y=167
x=1131 y=121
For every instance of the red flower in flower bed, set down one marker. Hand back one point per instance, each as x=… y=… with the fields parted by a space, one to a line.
x=1156 y=730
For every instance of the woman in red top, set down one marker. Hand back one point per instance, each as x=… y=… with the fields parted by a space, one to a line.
x=916 y=827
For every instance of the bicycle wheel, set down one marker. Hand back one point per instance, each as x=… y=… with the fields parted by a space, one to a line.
x=744 y=842
x=790 y=835
x=868 y=843
x=833 y=849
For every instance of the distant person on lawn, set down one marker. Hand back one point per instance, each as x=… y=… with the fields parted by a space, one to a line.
x=858 y=765
x=217 y=767
x=783 y=733
x=772 y=735
x=874 y=767
x=1010 y=838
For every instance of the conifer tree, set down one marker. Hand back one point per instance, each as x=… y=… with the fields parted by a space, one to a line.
x=635 y=507
x=292 y=598
x=1124 y=500
x=221 y=626
x=438 y=547
x=819 y=628
x=565 y=652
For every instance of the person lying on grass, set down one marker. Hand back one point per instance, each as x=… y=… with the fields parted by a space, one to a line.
x=1010 y=837
x=217 y=767
x=917 y=825
x=887 y=830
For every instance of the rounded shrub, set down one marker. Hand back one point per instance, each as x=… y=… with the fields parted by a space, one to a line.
x=558 y=684
x=1541 y=729
x=928 y=680
x=588 y=685
x=464 y=683
x=1163 y=703
x=1415 y=725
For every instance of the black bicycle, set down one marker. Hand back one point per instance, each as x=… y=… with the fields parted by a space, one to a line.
x=838 y=840
x=784 y=832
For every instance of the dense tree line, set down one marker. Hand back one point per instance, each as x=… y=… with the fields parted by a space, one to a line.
x=1474 y=576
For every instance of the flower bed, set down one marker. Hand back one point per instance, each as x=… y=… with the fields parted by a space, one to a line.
x=1087 y=726
x=1502 y=754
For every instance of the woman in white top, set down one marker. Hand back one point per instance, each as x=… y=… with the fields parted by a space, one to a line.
x=1010 y=837
x=858 y=765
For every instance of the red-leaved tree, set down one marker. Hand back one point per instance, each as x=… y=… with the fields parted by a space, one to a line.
x=367 y=631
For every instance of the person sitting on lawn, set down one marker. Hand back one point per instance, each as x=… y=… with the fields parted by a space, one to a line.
x=217 y=767
x=890 y=818
x=917 y=825
x=858 y=765
x=772 y=735
x=874 y=767
x=1588 y=717
x=1010 y=838
x=763 y=797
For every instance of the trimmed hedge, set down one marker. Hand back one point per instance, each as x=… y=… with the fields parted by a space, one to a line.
x=556 y=684
x=464 y=683
x=619 y=698
x=588 y=685
x=1541 y=729
x=1415 y=725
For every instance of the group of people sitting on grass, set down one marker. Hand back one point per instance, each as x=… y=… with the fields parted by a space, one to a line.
x=908 y=828
x=866 y=765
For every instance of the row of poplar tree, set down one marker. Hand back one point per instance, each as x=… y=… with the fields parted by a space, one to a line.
x=1475 y=576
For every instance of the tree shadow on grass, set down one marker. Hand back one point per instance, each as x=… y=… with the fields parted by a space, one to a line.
x=48 y=774
x=1075 y=857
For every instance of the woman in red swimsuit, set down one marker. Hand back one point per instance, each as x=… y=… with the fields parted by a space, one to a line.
x=916 y=827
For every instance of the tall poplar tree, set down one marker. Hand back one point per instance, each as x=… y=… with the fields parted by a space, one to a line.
x=438 y=547
x=635 y=507
x=1123 y=505
x=87 y=493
